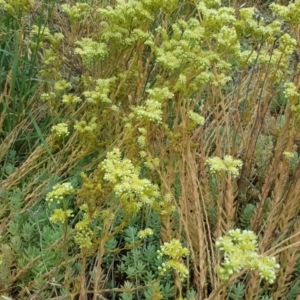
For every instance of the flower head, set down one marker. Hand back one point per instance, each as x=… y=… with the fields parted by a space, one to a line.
x=173 y=249
x=60 y=130
x=59 y=192
x=240 y=252
x=222 y=166
x=59 y=215
x=144 y=233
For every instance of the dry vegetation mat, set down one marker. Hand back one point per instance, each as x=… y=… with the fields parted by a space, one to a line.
x=149 y=149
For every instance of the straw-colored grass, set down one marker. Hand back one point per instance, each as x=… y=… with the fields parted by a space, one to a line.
x=144 y=94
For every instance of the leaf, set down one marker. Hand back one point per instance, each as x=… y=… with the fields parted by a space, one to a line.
x=237 y=291
x=9 y=169
x=247 y=214
x=127 y=286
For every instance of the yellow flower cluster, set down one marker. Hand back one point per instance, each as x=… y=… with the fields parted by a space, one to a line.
x=173 y=249
x=13 y=6
x=199 y=120
x=132 y=14
x=59 y=192
x=152 y=111
x=142 y=234
x=289 y=155
x=83 y=126
x=175 y=265
x=59 y=215
x=76 y=12
x=132 y=190
x=83 y=236
x=228 y=165
x=289 y=13
x=101 y=91
x=175 y=252
x=293 y=96
x=240 y=252
x=60 y=130
x=62 y=85
x=70 y=99
x=90 y=50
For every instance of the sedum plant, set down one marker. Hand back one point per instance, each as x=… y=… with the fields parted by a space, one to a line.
x=239 y=249
x=135 y=135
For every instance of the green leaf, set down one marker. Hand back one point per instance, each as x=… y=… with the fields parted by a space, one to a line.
x=9 y=169
x=237 y=291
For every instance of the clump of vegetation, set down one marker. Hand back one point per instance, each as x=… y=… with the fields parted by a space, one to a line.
x=149 y=149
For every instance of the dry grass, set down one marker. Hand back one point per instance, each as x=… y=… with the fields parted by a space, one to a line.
x=246 y=119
